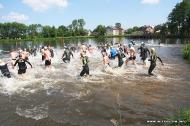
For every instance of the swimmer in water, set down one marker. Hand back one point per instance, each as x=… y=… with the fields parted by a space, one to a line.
x=132 y=54
x=120 y=56
x=51 y=51
x=47 y=57
x=4 y=69
x=144 y=52
x=153 y=59
x=90 y=49
x=67 y=55
x=22 y=65
x=42 y=52
x=85 y=61
x=105 y=59
x=113 y=53
x=83 y=48
x=25 y=54
x=14 y=56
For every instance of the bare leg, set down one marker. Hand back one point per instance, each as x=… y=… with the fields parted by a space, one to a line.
x=126 y=62
x=133 y=62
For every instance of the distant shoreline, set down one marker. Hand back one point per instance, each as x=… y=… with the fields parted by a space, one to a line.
x=88 y=37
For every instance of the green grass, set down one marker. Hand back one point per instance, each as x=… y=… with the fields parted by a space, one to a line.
x=186 y=52
x=184 y=116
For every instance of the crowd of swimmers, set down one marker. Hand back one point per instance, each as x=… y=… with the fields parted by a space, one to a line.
x=120 y=52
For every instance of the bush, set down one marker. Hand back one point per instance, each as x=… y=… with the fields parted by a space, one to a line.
x=186 y=52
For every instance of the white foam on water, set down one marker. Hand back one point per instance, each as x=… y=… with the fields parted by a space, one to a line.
x=39 y=78
x=34 y=112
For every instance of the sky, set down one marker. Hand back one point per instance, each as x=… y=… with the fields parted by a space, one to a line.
x=105 y=12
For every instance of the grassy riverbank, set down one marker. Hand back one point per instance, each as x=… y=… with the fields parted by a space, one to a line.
x=183 y=118
x=186 y=52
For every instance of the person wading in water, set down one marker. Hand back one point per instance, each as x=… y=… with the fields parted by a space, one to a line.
x=153 y=59
x=85 y=61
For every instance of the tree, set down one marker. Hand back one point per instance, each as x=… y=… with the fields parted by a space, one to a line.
x=34 y=30
x=81 y=23
x=179 y=19
x=100 y=30
x=62 y=31
x=132 y=30
x=118 y=25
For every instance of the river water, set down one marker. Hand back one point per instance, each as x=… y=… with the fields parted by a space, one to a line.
x=125 y=96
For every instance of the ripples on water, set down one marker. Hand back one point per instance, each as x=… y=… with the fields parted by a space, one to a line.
x=120 y=96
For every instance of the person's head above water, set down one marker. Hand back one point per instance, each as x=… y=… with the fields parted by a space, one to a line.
x=20 y=56
x=45 y=48
x=142 y=44
x=130 y=45
x=83 y=54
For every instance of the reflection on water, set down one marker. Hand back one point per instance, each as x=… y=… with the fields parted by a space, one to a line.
x=120 y=97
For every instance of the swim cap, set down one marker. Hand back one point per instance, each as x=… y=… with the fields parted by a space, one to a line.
x=142 y=43
x=152 y=50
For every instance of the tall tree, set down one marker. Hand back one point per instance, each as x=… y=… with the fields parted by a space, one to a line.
x=100 y=30
x=118 y=25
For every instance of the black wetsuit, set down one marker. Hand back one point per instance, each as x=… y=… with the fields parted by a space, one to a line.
x=103 y=51
x=34 y=51
x=67 y=55
x=85 y=69
x=120 y=56
x=144 y=52
x=52 y=53
x=5 y=71
x=153 y=60
x=22 y=65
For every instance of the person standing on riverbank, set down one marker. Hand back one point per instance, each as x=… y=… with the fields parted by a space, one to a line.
x=4 y=69
x=153 y=59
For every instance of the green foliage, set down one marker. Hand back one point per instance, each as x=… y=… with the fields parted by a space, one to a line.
x=12 y=30
x=186 y=52
x=179 y=19
x=132 y=30
x=183 y=115
x=99 y=31
x=16 y=30
x=118 y=25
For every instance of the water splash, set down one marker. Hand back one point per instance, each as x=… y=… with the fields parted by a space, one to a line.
x=34 y=112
